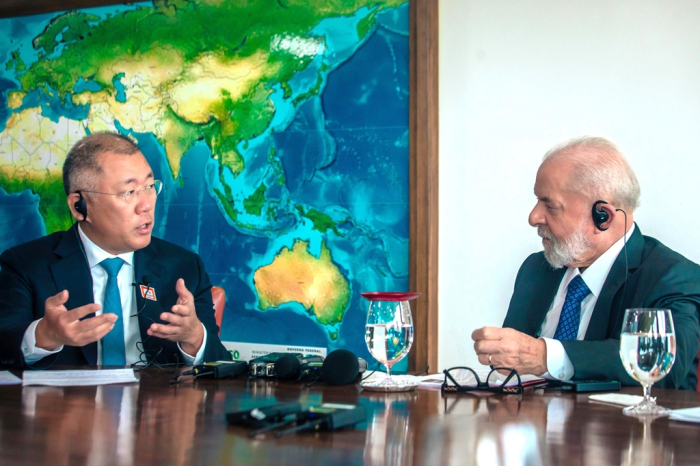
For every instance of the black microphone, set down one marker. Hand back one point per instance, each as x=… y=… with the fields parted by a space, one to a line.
x=342 y=367
x=145 y=281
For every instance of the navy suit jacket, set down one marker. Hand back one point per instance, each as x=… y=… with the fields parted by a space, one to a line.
x=39 y=269
x=657 y=277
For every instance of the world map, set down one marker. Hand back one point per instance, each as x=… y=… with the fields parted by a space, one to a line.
x=279 y=130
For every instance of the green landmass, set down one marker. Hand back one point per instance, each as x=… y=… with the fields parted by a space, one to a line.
x=15 y=62
x=227 y=205
x=311 y=92
x=366 y=24
x=71 y=26
x=255 y=202
x=321 y=221
x=52 y=199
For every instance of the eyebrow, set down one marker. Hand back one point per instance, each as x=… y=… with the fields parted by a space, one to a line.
x=134 y=180
x=548 y=200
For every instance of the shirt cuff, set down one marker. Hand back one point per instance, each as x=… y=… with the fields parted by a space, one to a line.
x=30 y=351
x=194 y=360
x=559 y=365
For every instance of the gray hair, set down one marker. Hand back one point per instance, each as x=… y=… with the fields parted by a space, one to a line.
x=81 y=170
x=600 y=171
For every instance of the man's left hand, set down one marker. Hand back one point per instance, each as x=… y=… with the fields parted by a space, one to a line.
x=182 y=326
x=510 y=348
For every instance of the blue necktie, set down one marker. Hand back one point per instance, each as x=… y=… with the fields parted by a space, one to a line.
x=570 y=317
x=113 y=351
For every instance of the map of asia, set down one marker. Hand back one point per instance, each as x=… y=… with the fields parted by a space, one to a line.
x=279 y=129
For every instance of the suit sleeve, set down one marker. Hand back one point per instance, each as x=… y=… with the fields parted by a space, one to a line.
x=214 y=349
x=16 y=309
x=676 y=288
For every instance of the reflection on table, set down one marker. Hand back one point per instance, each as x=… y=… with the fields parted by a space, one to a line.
x=155 y=423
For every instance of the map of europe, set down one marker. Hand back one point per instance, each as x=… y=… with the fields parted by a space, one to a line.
x=279 y=129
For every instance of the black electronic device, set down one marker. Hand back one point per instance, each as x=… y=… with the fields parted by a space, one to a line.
x=294 y=366
x=220 y=369
x=264 y=366
x=81 y=206
x=599 y=216
x=585 y=385
x=264 y=416
x=327 y=417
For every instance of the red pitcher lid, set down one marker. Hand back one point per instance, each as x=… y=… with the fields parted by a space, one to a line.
x=389 y=296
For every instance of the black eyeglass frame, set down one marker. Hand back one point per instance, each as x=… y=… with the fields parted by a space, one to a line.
x=483 y=386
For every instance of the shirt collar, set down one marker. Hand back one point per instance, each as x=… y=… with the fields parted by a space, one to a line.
x=96 y=254
x=596 y=274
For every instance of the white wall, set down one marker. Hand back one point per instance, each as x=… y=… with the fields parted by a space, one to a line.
x=517 y=77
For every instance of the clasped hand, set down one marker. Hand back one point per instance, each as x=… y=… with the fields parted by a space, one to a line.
x=510 y=348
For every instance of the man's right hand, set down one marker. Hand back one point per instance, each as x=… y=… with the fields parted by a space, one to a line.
x=63 y=327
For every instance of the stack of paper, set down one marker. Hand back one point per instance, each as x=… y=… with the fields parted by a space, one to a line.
x=8 y=378
x=78 y=377
x=687 y=415
x=617 y=399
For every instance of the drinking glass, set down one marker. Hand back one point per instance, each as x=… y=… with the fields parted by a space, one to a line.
x=647 y=350
x=389 y=330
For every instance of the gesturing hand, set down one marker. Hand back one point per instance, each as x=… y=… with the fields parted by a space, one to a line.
x=510 y=348
x=63 y=327
x=182 y=326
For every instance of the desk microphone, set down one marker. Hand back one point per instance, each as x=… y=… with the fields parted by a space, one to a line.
x=340 y=367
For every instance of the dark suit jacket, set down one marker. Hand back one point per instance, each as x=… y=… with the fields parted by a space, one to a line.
x=657 y=278
x=37 y=270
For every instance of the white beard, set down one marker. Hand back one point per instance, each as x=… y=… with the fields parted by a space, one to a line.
x=561 y=253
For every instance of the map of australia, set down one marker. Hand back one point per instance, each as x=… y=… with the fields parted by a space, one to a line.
x=279 y=129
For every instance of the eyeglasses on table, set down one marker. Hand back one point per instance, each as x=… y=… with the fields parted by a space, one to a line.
x=492 y=384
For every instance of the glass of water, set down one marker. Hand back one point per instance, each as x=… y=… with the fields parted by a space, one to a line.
x=647 y=350
x=389 y=329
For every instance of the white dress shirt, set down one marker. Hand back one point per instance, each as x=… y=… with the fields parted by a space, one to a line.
x=127 y=292
x=559 y=365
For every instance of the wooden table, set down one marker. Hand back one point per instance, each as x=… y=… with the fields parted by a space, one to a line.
x=154 y=423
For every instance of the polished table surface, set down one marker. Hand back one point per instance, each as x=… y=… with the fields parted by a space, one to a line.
x=154 y=423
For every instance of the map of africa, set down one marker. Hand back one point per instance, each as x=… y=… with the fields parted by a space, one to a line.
x=279 y=129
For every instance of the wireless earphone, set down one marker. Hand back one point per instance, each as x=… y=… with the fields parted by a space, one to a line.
x=81 y=205
x=599 y=216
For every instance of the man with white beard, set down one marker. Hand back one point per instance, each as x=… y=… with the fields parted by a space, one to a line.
x=566 y=312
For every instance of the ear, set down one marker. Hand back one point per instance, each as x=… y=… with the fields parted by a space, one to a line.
x=610 y=210
x=71 y=199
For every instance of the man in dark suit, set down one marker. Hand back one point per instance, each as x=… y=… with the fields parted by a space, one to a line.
x=565 y=315
x=105 y=291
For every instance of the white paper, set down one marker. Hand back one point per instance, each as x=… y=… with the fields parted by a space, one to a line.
x=78 y=377
x=8 y=378
x=617 y=399
x=687 y=414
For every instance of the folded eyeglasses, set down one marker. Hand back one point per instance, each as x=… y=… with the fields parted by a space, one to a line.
x=495 y=381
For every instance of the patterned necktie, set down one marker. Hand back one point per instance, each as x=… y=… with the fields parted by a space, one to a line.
x=570 y=317
x=113 y=351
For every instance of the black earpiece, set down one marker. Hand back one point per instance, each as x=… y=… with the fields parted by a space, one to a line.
x=599 y=216
x=81 y=205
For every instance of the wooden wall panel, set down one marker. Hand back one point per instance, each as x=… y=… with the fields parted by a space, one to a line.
x=423 y=169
